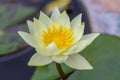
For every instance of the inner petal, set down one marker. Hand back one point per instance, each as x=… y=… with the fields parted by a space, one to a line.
x=60 y=35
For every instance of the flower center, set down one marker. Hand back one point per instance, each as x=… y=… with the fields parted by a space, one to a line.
x=61 y=36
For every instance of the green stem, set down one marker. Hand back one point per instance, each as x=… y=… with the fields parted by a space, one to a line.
x=59 y=68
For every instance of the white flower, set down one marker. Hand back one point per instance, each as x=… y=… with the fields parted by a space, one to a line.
x=57 y=39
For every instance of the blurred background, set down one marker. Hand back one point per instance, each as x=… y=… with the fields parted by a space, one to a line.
x=99 y=16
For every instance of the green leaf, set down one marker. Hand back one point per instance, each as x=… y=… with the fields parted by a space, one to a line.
x=10 y=14
x=10 y=41
x=49 y=72
x=104 y=56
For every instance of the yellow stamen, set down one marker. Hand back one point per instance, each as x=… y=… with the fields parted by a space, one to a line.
x=61 y=36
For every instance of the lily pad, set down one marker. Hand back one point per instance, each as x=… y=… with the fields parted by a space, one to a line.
x=11 y=14
x=10 y=40
x=49 y=72
x=104 y=56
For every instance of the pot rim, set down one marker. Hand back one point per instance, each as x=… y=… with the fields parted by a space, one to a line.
x=16 y=54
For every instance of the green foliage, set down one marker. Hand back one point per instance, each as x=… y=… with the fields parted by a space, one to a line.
x=10 y=40
x=49 y=72
x=10 y=15
x=103 y=54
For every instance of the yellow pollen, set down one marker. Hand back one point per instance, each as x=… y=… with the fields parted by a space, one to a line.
x=62 y=37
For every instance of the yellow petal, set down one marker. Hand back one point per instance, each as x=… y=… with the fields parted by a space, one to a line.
x=77 y=27
x=60 y=58
x=28 y=38
x=55 y=13
x=78 y=62
x=63 y=19
x=44 y=19
x=39 y=60
x=30 y=26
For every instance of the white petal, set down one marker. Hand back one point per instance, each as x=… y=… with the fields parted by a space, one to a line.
x=44 y=19
x=71 y=50
x=28 y=38
x=55 y=13
x=78 y=32
x=30 y=26
x=60 y=58
x=85 y=41
x=47 y=51
x=42 y=51
x=78 y=62
x=63 y=19
x=76 y=22
x=38 y=26
x=77 y=27
x=39 y=60
x=53 y=49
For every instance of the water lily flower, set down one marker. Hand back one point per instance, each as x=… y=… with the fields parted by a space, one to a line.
x=57 y=39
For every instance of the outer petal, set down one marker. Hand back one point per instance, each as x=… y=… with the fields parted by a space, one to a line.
x=28 y=38
x=71 y=50
x=63 y=19
x=76 y=22
x=78 y=62
x=38 y=26
x=47 y=51
x=55 y=13
x=39 y=60
x=44 y=19
x=82 y=44
x=52 y=48
x=42 y=51
x=85 y=41
x=30 y=26
x=60 y=58
x=77 y=27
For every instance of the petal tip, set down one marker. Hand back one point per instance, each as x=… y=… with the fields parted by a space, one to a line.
x=28 y=21
x=56 y=8
x=20 y=32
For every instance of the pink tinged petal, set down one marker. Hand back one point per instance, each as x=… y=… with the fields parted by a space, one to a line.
x=30 y=26
x=53 y=49
x=28 y=38
x=55 y=14
x=78 y=62
x=63 y=19
x=85 y=41
x=77 y=27
x=59 y=58
x=44 y=19
x=39 y=60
